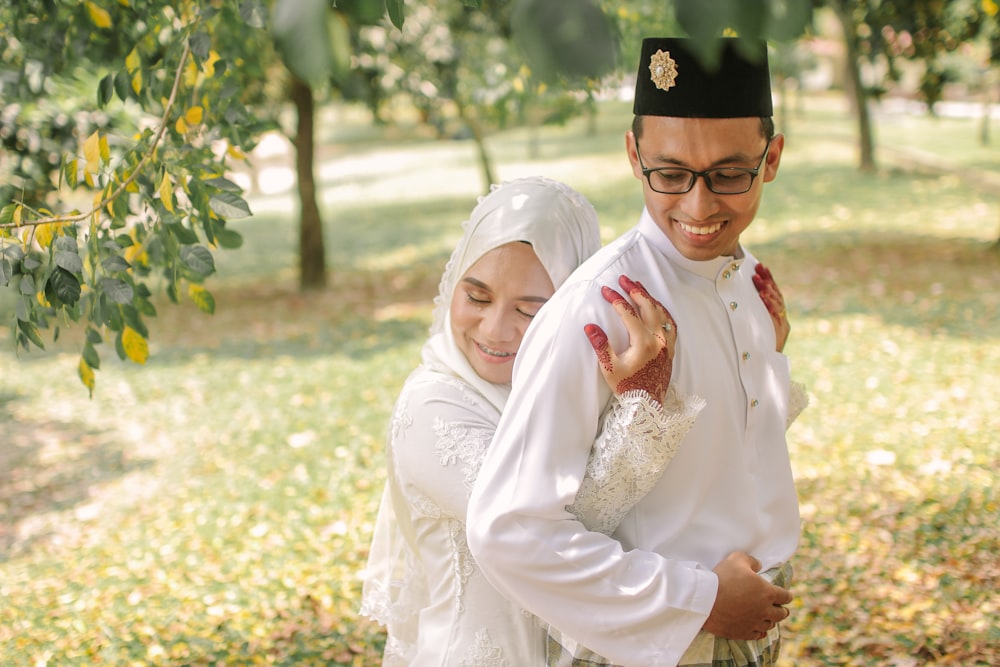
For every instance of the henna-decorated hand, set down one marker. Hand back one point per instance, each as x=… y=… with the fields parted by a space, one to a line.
x=647 y=362
x=775 y=303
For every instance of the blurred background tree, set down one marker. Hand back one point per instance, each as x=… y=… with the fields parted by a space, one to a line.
x=124 y=120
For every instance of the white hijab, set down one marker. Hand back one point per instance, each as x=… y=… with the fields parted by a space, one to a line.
x=561 y=226
x=558 y=222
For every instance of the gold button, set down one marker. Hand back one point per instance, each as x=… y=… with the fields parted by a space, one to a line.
x=746 y=355
x=753 y=403
x=727 y=275
x=733 y=305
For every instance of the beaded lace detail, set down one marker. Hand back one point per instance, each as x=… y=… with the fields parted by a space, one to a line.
x=635 y=447
x=483 y=653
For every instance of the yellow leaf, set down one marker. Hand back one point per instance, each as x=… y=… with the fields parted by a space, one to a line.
x=132 y=61
x=209 y=66
x=100 y=17
x=181 y=126
x=194 y=115
x=135 y=346
x=190 y=73
x=137 y=81
x=236 y=153
x=202 y=298
x=136 y=254
x=92 y=152
x=16 y=216
x=44 y=234
x=990 y=7
x=87 y=376
x=123 y=3
x=105 y=151
x=167 y=193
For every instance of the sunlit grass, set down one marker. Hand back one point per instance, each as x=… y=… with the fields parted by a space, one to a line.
x=215 y=505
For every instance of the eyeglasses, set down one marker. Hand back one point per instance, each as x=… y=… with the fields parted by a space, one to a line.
x=721 y=181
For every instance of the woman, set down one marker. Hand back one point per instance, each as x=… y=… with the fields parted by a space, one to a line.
x=520 y=243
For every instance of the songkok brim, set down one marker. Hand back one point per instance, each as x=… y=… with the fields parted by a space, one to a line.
x=676 y=79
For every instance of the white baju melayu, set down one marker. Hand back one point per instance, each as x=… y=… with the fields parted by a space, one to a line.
x=422 y=582
x=641 y=597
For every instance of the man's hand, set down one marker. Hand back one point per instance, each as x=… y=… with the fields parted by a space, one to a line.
x=747 y=605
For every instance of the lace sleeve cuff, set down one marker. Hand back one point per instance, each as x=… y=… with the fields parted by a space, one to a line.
x=637 y=442
x=798 y=400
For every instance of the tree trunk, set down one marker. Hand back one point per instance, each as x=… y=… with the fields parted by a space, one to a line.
x=477 y=135
x=856 y=89
x=312 y=253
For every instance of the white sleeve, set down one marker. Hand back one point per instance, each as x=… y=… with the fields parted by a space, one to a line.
x=638 y=440
x=634 y=607
x=442 y=433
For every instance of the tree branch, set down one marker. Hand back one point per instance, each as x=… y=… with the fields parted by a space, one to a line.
x=64 y=219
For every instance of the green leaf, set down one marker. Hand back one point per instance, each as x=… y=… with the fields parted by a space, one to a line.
x=70 y=261
x=90 y=355
x=224 y=184
x=65 y=285
x=6 y=271
x=30 y=263
x=395 y=9
x=22 y=309
x=124 y=241
x=71 y=173
x=31 y=331
x=199 y=259
x=66 y=243
x=201 y=44
x=229 y=205
x=94 y=336
x=145 y=306
x=7 y=214
x=27 y=285
x=123 y=85
x=118 y=291
x=105 y=89
x=301 y=35
x=13 y=251
x=182 y=233
x=113 y=263
x=253 y=13
x=227 y=238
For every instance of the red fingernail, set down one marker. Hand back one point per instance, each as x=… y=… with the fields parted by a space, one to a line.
x=610 y=295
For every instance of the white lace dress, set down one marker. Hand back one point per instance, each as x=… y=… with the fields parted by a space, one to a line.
x=438 y=608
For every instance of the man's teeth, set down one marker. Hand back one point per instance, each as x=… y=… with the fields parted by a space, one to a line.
x=700 y=231
x=494 y=353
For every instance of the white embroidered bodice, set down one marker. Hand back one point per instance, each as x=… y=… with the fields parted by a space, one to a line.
x=440 y=610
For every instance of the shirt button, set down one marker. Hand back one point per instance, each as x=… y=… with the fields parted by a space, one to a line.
x=746 y=356
x=733 y=305
x=727 y=275
x=736 y=266
x=753 y=403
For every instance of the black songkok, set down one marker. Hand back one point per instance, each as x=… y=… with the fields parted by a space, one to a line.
x=675 y=80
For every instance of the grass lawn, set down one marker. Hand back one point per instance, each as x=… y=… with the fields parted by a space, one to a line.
x=215 y=505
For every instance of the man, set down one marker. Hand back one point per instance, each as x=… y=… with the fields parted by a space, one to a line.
x=691 y=565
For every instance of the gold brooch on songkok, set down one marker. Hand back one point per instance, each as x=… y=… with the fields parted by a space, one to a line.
x=663 y=70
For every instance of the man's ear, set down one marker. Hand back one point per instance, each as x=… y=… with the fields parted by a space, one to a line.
x=774 y=157
x=633 y=154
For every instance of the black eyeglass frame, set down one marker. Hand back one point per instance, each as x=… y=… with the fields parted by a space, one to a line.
x=753 y=172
